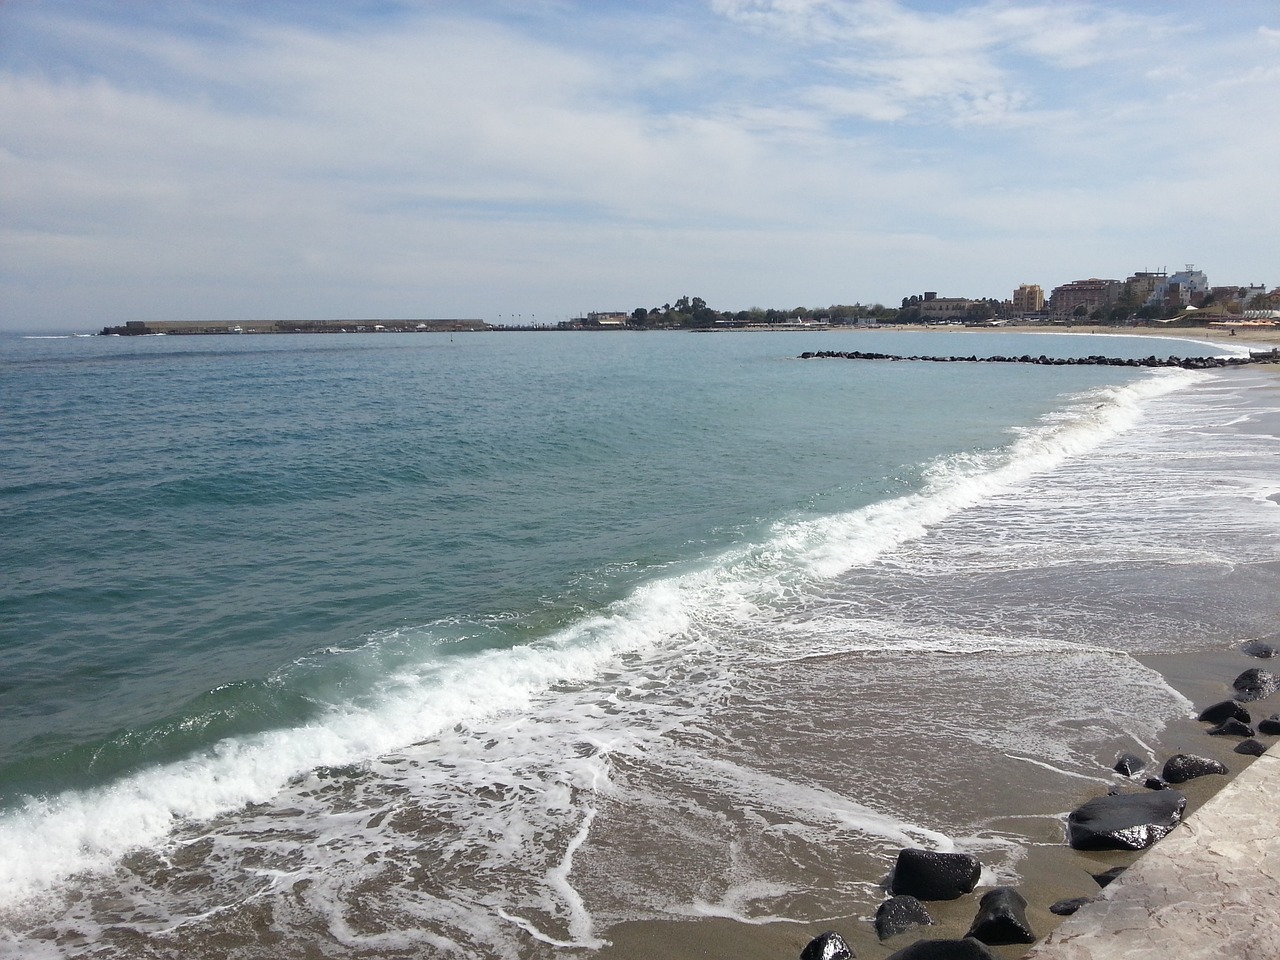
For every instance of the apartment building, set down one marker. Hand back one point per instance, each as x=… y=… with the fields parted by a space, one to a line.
x=1028 y=298
x=1092 y=294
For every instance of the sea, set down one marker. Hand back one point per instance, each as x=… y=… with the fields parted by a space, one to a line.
x=481 y=645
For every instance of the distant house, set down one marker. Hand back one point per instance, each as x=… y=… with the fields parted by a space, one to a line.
x=1092 y=294
x=612 y=318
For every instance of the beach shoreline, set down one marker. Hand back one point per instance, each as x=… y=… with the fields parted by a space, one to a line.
x=1225 y=336
x=1051 y=870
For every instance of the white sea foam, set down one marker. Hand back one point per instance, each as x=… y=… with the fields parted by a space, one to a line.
x=830 y=546
x=55 y=837
x=517 y=748
x=89 y=830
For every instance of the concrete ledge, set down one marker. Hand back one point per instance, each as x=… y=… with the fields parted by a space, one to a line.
x=1211 y=888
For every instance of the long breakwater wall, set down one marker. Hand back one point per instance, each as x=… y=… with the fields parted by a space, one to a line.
x=1185 y=363
x=142 y=328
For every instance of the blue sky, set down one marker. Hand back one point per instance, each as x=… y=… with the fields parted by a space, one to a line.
x=529 y=161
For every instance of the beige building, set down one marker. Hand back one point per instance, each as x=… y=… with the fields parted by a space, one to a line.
x=1028 y=298
x=1092 y=294
x=936 y=309
x=1142 y=286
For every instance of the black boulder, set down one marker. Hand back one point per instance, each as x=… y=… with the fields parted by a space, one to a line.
x=827 y=946
x=1255 y=684
x=900 y=914
x=1184 y=766
x=1002 y=918
x=1129 y=821
x=1231 y=728
x=1065 y=908
x=1128 y=764
x=927 y=875
x=1224 y=710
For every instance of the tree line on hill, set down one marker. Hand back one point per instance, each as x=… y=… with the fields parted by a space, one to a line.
x=693 y=312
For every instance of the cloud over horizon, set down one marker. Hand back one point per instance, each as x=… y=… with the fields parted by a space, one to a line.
x=493 y=159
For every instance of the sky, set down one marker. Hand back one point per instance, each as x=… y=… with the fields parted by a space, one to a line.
x=527 y=162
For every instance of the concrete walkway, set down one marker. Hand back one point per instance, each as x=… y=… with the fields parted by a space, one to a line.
x=1210 y=889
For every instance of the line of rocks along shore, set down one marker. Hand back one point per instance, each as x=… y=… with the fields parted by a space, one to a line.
x=1116 y=821
x=1185 y=363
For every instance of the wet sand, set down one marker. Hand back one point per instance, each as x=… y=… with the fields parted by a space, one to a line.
x=1051 y=870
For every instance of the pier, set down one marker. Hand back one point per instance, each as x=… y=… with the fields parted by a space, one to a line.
x=144 y=328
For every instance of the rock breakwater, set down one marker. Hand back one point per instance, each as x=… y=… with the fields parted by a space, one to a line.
x=1185 y=363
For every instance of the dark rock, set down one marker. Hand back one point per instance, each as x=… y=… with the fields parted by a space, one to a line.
x=1106 y=876
x=966 y=949
x=1226 y=710
x=827 y=946
x=927 y=875
x=1002 y=918
x=1251 y=748
x=1231 y=728
x=1185 y=766
x=1128 y=764
x=1065 y=908
x=1131 y=821
x=1256 y=648
x=1155 y=783
x=1254 y=684
x=899 y=914
x=1270 y=726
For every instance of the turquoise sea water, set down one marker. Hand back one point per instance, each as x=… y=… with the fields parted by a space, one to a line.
x=506 y=631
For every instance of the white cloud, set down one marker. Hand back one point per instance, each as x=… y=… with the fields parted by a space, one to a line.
x=443 y=160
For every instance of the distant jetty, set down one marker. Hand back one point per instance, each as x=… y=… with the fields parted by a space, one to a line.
x=144 y=328
x=1185 y=363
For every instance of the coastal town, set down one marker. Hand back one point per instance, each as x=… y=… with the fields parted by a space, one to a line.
x=1147 y=297
x=1184 y=298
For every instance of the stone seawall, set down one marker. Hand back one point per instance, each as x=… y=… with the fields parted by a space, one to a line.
x=1206 y=891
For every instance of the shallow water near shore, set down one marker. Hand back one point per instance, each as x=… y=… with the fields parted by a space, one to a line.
x=534 y=645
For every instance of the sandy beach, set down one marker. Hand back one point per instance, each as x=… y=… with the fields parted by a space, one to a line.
x=1260 y=337
x=1051 y=871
